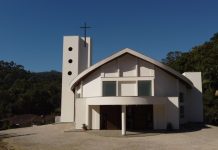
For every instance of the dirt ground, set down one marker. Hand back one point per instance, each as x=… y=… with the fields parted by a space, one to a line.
x=64 y=137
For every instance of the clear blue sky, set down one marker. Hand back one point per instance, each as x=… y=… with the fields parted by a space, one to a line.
x=31 y=31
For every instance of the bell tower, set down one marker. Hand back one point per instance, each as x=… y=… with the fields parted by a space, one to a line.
x=77 y=53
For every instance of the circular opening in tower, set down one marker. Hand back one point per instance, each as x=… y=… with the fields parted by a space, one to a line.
x=69 y=73
x=70 y=48
x=70 y=60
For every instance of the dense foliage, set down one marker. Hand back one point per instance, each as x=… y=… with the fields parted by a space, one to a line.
x=24 y=92
x=203 y=58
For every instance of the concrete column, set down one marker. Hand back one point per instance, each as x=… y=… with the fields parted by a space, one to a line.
x=123 y=119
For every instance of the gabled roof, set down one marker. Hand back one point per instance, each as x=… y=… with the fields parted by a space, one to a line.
x=136 y=54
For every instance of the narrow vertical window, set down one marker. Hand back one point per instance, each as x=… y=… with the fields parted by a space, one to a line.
x=181 y=107
x=181 y=112
x=144 y=88
x=181 y=97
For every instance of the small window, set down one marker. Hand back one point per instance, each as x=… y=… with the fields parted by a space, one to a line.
x=181 y=97
x=181 y=112
x=69 y=73
x=70 y=60
x=109 y=88
x=144 y=88
x=70 y=48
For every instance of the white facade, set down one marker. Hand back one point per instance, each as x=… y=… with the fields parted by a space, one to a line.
x=129 y=75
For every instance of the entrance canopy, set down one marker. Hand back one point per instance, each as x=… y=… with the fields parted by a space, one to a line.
x=126 y=100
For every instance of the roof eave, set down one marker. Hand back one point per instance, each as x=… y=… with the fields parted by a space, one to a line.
x=134 y=53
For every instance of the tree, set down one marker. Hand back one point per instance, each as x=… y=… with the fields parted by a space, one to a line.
x=23 y=92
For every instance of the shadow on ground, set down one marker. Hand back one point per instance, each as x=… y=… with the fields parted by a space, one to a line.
x=142 y=133
x=4 y=136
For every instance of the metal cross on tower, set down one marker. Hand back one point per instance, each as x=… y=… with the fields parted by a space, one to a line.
x=85 y=27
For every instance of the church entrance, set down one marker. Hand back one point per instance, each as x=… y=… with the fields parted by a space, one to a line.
x=139 y=117
x=110 y=117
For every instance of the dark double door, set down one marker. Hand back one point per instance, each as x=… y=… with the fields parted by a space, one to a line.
x=110 y=117
x=138 y=117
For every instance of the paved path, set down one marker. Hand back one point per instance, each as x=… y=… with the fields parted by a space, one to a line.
x=64 y=137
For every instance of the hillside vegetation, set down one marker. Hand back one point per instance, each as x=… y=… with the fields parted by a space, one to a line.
x=24 y=92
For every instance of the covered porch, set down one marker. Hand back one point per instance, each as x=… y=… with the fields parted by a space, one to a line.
x=164 y=110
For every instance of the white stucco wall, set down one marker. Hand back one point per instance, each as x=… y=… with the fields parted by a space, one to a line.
x=110 y=69
x=127 y=88
x=145 y=68
x=165 y=84
x=95 y=117
x=127 y=66
x=81 y=60
x=84 y=55
x=67 y=105
x=67 y=96
x=195 y=102
x=92 y=85
x=159 y=116
x=172 y=112
x=80 y=113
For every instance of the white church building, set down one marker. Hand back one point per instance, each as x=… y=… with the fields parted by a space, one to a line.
x=125 y=91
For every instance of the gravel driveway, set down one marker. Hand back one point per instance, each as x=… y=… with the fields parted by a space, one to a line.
x=64 y=137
